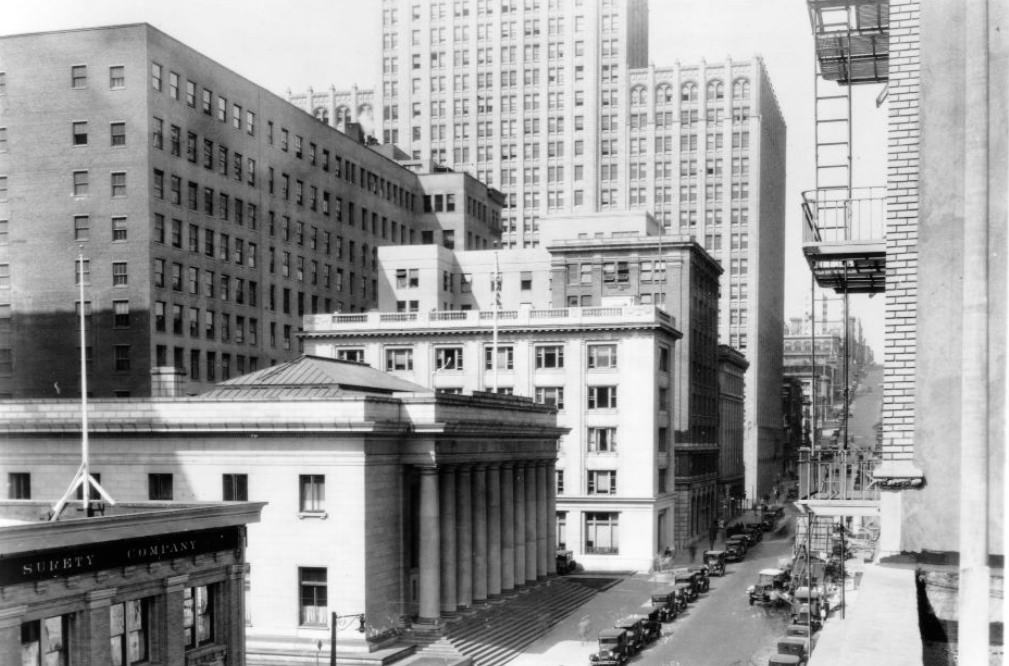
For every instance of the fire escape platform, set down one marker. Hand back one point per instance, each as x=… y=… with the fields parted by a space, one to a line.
x=844 y=238
x=852 y=39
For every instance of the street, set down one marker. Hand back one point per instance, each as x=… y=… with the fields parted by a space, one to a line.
x=720 y=629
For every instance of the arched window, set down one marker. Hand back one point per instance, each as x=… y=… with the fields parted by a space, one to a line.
x=638 y=95
x=664 y=93
x=741 y=89
x=688 y=92
x=342 y=115
x=716 y=91
x=321 y=113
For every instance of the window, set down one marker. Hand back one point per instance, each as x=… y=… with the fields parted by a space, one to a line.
x=398 y=359
x=118 y=181
x=602 y=482
x=79 y=76
x=312 y=493
x=550 y=356
x=156 y=76
x=198 y=614
x=119 y=273
x=602 y=397
x=159 y=487
x=602 y=531
x=129 y=631
x=121 y=357
x=353 y=355
x=118 y=134
x=121 y=314
x=82 y=269
x=313 y=604
x=46 y=642
x=602 y=356
x=505 y=357
x=80 y=183
x=602 y=440
x=236 y=487
x=191 y=94
x=117 y=77
x=664 y=359
x=448 y=358
x=550 y=395
x=82 y=227
x=19 y=485
x=80 y=133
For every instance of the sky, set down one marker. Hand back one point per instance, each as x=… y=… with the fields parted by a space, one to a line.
x=297 y=44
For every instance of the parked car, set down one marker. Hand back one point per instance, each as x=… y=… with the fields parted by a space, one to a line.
x=783 y=660
x=613 y=650
x=634 y=625
x=664 y=601
x=806 y=608
x=771 y=587
x=702 y=577
x=685 y=594
x=796 y=646
x=565 y=562
x=715 y=561
x=800 y=630
x=653 y=626
x=684 y=577
x=735 y=548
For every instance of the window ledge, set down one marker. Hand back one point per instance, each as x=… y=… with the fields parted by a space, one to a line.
x=321 y=515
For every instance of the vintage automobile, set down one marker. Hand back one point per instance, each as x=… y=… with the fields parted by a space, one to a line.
x=690 y=580
x=783 y=660
x=794 y=645
x=755 y=531
x=684 y=595
x=735 y=548
x=666 y=604
x=653 y=626
x=715 y=561
x=702 y=576
x=613 y=650
x=635 y=627
x=771 y=587
x=800 y=630
x=768 y=520
x=565 y=562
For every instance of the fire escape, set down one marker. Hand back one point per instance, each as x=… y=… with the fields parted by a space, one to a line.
x=843 y=239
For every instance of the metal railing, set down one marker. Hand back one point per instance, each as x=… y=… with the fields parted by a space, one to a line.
x=839 y=215
x=843 y=479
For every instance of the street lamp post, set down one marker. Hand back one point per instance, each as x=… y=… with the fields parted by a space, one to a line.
x=341 y=622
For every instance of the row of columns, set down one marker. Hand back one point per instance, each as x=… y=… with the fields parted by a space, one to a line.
x=485 y=529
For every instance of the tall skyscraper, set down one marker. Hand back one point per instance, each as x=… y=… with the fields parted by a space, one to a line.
x=554 y=103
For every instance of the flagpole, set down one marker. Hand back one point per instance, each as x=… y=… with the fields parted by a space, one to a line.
x=83 y=476
x=85 y=471
x=497 y=309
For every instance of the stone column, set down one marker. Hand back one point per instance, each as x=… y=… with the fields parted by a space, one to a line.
x=531 y=537
x=10 y=634
x=541 y=519
x=446 y=484
x=520 y=523
x=551 y=474
x=236 y=614
x=507 y=527
x=464 y=537
x=96 y=626
x=480 y=533
x=493 y=530
x=430 y=546
x=174 y=642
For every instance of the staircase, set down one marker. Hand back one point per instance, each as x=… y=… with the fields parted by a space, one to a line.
x=496 y=633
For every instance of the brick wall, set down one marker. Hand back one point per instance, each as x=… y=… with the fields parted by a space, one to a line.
x=901 y=232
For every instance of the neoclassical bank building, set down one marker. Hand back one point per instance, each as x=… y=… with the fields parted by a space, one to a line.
x=384 y=500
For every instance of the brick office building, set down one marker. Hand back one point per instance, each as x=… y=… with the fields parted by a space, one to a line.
x=211 y=214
